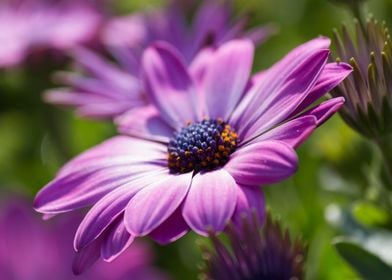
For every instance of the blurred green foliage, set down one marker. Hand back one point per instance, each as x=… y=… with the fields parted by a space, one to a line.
x=335 y=164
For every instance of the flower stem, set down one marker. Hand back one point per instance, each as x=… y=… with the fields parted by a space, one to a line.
x=386 y=154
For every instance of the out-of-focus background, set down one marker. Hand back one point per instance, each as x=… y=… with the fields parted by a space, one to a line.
x=37 y=138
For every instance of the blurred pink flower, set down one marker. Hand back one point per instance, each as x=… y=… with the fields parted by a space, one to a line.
x=31 y=249
x=28 y=25
x=106 y=89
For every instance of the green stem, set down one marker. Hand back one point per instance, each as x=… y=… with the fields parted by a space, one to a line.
x=386 y=154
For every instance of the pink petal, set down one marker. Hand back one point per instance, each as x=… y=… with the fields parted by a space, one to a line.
x=332 y=75
x=145 y=122
x=106 y=210
x=108 y=110
x=293 y=132
x=169 y=85
x=118 y=147
x=227 y=77
x=263 y=162
x=102 y=68
x=326 y=109
x=117 y=241
x=126 y=88
x=210 y=202
x=276 y=85
x=170 y=230
x=90 y=176
x=155 y=204
x=80 y=190
x=283 y=98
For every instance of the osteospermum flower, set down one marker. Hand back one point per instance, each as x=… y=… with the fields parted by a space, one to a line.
x=106 y=89
x=33 y=250
x=255 y=251
x=195 y=158
x=31 y=25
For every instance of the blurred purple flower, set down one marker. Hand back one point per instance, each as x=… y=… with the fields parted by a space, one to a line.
x=30 y=25
x=31 y=249
x=106 y=90
x=195 y=157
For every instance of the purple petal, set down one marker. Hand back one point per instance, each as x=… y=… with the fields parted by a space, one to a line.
x=106 y=210
x=169 y=85
x=155 y=204
x=256 y=79
x=326 y=109
x=90 y=105
x=263 y=162
x=93 y=104
x=129 y=59
x=210 y=202
x=293 y=132
x=284 y=98
x=170 y=230
x=117 y=241
x=234 y=31
x=124 y=88
x=86 y=257
x=332 y=75
x=70 y=97
x=118 y=147
x=249 y=199
x=200 y=64
x=285 y=85
x=93 y=174
x=210 y=20
x=227 y=77
x=145 y=122
x=108 y=110
x=125 y=32
x=101 y=68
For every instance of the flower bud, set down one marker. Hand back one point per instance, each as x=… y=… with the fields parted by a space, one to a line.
x=254 y=251
x=368 y=91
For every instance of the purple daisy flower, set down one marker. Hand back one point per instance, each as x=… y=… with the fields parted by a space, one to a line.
x=195 y=158
x=33 y=250
x=106 y=90
x=43 y=24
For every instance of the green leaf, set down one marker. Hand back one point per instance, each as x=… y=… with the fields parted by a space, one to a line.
x=369 y=266
x=369 y=214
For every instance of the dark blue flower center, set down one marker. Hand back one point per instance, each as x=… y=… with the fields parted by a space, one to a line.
x=204 y=145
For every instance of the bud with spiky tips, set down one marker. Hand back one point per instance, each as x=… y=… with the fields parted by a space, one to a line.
x=368 y=91
x=254 y=252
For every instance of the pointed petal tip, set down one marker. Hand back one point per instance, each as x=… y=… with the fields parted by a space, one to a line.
x=323 y=40
x=345 y=66
x=327 y=109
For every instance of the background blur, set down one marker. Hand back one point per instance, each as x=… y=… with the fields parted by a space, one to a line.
x=36 y=139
